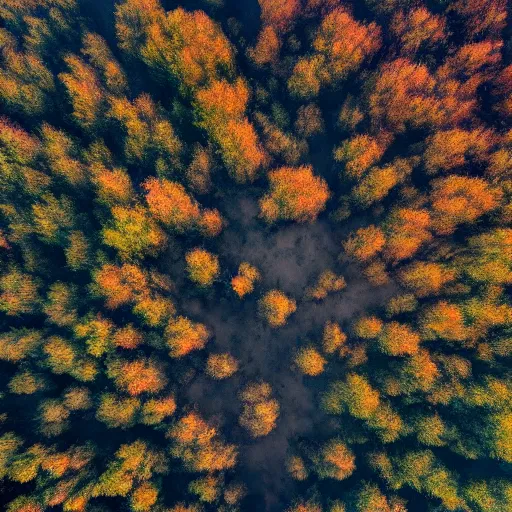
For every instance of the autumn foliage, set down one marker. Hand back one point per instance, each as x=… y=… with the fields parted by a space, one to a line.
x=275 y=307
x=255 y=256
x=295 y=194
x=260 y=412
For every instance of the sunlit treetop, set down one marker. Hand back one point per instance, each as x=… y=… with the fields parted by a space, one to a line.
x=295 y=194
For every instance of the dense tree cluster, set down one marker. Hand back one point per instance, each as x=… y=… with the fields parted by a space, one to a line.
x=128 y=127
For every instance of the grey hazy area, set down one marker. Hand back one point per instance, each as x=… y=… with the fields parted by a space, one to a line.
x=290 y=257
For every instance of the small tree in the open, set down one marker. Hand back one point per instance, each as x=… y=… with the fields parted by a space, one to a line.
x=275 y=307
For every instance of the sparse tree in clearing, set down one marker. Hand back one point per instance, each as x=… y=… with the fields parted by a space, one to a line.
x=296 y=466
x=327 y=282
x=275 y=307
x=221 y=366
x=333 y=338
x=243 y=283
x=310 y=361
x=260 y=411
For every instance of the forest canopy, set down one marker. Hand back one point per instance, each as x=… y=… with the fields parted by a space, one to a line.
x=255 y=255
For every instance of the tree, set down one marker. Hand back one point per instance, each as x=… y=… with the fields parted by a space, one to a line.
x=426 y=278
x=243 y=283
x=156 y=410
x=77 y=399
x=481 y=17
x=376 y=185
x=53 y=218
x=210 y=223
x=310 y=361
x=85 y=93
x=26 y=382
x=344 y=44
x=207 y=488
x=170 y=204
x=117 y=412
x=488 y=496
x=376 y=273
x=97 y=333
x=220 y=108
x=397 y=339
x=309 y=120
x=333 y=338
x=200 y=169
x=462 y=74
x=281 y=145
x=133 y=233
x=19 y=293
x=275 y=307
x=62 y=155
x=114 y=187
x=77 y=251
x=61 y=304
x=120 y=285
x=406 y=229
x=202 y=267
x=61 y=355
x=305 y=81
x=365 y=243
x=127 y=337
x=335 y=460
x=424 y=473
x=355 y=394
x=96 y=49
x=221 y=366
x=418 y=373
x=53 y=416
x=431 y=430
x=403 y=96
x=371 y=499
x=443 y=320
x=305 y=506
x=185 y=47
x=133 y=21
x=150 y=138
x=417 y=29
x=295 y=194
x=260 y=411
x=25 y=504
x=404 y=303
x=144 y=497
x=280 y=14
x=489 y=257
x=328 y=282
x=297 y=468
x=266 y=50
x=19 y=344
x=199 y=446
x=26 y=84
x=460 y=199
x=138 y=376
x=449 y=149
x=368 y=327
x=182 y=336
x=234 y=493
